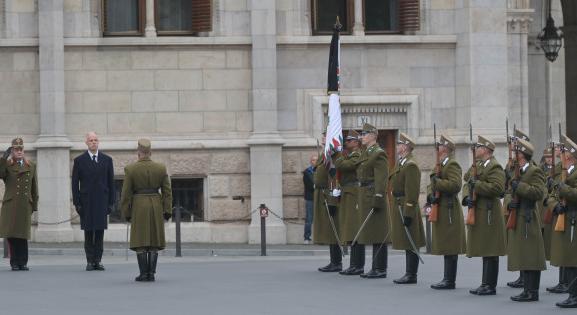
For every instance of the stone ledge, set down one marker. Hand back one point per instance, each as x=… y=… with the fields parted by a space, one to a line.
x=238 y=40
x=372 y=39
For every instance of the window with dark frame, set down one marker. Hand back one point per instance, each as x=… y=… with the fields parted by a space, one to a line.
x=172 y=17
x=381 y=16
x=325 y=13
x=123 y=17
x=189 y=194
x=186 y=192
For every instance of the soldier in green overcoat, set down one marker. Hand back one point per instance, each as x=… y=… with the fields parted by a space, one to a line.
x=448 y=237
x=550 y=204
x=405 y=181
x=372 y=173
x=564 y=243
x=486 y=238
x=19 y=202
x=509 y=173
x=323 y=207
x=348 y=214
x=146 y=201
x=525 y=248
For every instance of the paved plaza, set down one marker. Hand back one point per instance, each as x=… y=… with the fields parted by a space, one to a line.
x=57 y=284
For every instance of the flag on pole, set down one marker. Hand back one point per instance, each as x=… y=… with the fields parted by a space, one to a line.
x=334 y=137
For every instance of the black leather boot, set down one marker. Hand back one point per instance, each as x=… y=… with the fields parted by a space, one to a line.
x=571 y=301
x=483 y=278
x=142 y=266
x=490 y=275
x=152 y=259
x=519 y=283
x=531 y=289
x=450 y=274
x=412 y=267
x=561 y=287
x=335 y=264
x=379 y=265
x=356 y=268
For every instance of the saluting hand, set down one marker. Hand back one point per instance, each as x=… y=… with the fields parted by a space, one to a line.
x=7 y=153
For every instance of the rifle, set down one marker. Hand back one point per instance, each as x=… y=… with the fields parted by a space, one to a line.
x=560 y=225
x=434 y=215
x=548 y=216
x=512 y=220
x=472 y=195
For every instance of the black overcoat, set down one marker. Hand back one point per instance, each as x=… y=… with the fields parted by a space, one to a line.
x=93 y=190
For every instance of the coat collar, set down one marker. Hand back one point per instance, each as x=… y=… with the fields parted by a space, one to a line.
x=20 y=169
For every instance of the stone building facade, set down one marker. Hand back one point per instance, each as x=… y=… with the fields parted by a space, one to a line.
x=236 y=110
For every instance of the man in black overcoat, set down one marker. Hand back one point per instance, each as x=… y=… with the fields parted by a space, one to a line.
x=93 y=196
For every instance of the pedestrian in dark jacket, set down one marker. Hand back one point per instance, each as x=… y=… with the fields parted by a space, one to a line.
x=309 y=196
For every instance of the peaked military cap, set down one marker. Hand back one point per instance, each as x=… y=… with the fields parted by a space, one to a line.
x=447 y=141
x=570 y=146
x=368 y=128
x=484 y=142
x=405 y=139
x=144 y=145
x=525 y=147
x=17 y=143
x=521 y=135
x=352 y=135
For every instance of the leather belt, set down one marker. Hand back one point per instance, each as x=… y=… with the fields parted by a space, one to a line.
x=398 y=194
x=146 y=191
x=350 y=184
x=366 y=184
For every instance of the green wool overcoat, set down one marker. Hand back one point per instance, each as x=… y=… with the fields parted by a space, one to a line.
x=372 y=173
x=525 y=248
x=405 y=181
x=487 y=237
x=20 y=198
x=448 y=235
x=563 y=251
x=349 y=213
x=145 y=209
x=322 y=230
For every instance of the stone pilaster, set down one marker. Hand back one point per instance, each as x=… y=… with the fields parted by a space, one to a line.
x=570 y=44
x=265 y=142
x=519 y=18
x=52 y=145
x=481 y=66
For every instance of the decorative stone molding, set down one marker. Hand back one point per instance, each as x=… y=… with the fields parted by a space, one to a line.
x=518 y=4
x=519 y=21
x=381 y=109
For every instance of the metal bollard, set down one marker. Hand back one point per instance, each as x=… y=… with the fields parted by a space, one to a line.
x=428 y=234
x=263 y=216
x=176 y=218
x=6 y=249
